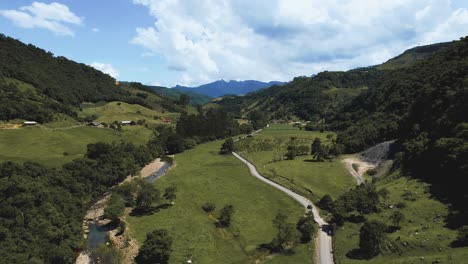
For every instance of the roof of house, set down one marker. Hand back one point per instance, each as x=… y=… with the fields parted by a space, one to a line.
x=126 y=122
x=30 y=122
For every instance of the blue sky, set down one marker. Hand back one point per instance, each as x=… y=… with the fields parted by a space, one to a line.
x=168 y=42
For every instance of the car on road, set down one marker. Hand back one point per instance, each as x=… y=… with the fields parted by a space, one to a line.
x=250 y=135
x=309 y=207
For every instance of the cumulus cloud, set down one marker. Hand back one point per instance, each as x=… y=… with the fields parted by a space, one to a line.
x=278 y=39
x=53 y=16
x=106 y=68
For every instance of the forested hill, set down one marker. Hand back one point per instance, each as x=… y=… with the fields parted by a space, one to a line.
x=59 y=85
x=425 y=107
x=321 y=96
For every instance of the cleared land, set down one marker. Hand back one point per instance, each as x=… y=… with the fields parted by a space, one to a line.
x=55 y=147
x=423 y=237
x=302 y=175
x=202 y=175
x=120 y=111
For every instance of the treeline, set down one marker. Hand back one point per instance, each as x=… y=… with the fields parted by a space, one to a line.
x=209 y=125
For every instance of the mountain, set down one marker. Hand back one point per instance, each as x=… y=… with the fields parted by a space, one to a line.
x=196 y=98
x=36 y=85
x=221 y=87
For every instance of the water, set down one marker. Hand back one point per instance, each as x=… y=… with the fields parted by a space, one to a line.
x=153 y=177
x=98 y=234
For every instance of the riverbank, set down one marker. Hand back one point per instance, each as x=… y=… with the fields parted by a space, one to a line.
x=96 y=212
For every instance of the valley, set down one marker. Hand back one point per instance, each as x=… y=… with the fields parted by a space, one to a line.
x=366 y=165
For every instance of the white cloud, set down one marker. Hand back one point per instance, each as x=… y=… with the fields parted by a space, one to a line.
x=95 y=30
x=106 y=68
x=278 y=39
x=52 y=16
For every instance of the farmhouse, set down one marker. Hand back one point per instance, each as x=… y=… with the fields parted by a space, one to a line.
x=29 y=123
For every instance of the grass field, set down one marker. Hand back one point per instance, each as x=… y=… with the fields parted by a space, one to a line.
x=313 y=179
x=423 y=237
x=120 y=111
x=202 y=175
x=47 y=146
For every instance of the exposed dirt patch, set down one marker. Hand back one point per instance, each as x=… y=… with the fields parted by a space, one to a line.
x=362 y=167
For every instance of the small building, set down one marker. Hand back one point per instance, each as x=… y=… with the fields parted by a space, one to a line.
x=95 y=124
x=126 y=122
x=29 y=123
x=167 y=120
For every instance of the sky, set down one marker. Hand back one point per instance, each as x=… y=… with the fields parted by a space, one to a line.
x=193 y=42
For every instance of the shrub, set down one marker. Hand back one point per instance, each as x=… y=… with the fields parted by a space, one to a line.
x=208 y=207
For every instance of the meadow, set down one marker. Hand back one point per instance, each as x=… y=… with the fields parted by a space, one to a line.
x=303 y=174
x=423 y=237
x=55 y=147
x=202 y=175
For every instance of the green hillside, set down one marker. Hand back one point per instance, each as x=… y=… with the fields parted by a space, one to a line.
x=411 y=56
x=36 y=85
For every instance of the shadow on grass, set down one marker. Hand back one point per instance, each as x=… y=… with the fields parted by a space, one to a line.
x=149 y=211
x=313 y=160
x=358 y=254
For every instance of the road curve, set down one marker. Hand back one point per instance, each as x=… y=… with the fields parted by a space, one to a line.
x=324 y=241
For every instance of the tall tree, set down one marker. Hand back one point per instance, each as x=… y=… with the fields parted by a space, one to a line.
x=157 y=248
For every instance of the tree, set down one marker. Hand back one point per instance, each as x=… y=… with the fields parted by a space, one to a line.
x=258 y=119
x=397 y=217
x=115 y=207
x=287 y=235
x=326 y=202
x=462 y=237
x=306 y=226
x=208 y=207
x=225 y=215
x=318 y=150
x=147 y=195
x=170 y=193
x=227 y=147
x=371 y=238
x=157 y=248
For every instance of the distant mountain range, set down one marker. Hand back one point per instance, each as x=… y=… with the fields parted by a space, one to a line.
x=221 y=87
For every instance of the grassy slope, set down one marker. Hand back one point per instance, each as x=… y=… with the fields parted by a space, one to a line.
x=301 y=175
x=202 y=175
x=47 y=146
x=120 y=111
x=432 y=243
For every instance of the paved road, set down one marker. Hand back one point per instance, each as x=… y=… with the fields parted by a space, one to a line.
x=324 y=241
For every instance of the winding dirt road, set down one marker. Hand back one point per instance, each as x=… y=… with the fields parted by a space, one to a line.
x=324 y=241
